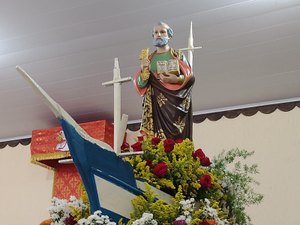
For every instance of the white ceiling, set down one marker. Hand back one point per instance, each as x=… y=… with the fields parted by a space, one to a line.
x=250 y=54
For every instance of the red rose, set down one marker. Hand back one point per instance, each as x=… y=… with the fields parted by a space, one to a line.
x=140 y=138
x=70 y=220
x=203 y=223
x=205 y=161
x=160 y=169
x=149 y=163
x=179 y=140
x=179 y=222
x=125 y=146
x=155 y=140
x=205 y=181
x=207 y=222
x=137 y=146
x=198 y=154
x=169 y=145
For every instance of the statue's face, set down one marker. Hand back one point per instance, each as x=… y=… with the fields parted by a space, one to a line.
x=160 y=36
x=160 y=31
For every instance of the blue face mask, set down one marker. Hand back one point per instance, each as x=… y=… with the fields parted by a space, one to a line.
x=160 y=42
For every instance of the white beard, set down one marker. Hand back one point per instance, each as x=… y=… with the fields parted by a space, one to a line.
x=160 y=42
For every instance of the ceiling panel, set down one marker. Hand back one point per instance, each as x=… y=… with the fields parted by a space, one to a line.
x=250 y=54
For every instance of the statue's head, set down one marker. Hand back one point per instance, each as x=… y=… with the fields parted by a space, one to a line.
x=160 y=24
x=161 y=34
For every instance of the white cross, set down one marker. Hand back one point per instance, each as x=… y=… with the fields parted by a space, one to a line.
x=120 y=124
x=190 y=47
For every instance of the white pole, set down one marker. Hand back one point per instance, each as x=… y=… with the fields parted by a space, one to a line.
x=190 y=49
x=119 y=124
x=117 y=105
x=191 y=46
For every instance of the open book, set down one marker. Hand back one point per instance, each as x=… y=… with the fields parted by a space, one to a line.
x=170 y=66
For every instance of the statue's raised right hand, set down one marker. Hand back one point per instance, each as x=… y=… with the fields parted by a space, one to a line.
x=145 y=63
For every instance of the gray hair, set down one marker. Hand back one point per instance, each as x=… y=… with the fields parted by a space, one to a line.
x=169 y=29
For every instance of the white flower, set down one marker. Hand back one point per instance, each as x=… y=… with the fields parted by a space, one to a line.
x=181 y=217
x=146 y=219
x=73 y=198
x=147 y=216
x=182 y=202
x=98 y=213
x=207 y=201
x=186 y=213
x=81 y=221
x=188 y=219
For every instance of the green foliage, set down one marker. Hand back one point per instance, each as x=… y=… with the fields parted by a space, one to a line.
x=238 y=182
x=163 y=212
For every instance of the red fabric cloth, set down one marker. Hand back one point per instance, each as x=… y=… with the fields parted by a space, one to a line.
x=44 y=152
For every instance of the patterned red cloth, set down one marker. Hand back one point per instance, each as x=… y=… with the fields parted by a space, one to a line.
x=45 y=145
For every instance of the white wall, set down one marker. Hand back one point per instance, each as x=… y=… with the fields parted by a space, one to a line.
x=275 y=138
x=25 y=188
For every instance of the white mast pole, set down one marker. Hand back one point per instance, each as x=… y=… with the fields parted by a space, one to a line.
x=117 y=105
x=190 y=47
x=119 y=124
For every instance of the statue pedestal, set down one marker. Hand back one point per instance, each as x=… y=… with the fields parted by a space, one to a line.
x=48 y=146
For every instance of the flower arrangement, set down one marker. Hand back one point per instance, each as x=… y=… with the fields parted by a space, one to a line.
x=75 y=212
x=181 y=212
x=206 y=192
x=221 y=189
x=64 y=212
x=168 y=164
x=96 y=219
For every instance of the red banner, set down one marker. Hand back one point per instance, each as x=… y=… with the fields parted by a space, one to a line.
x=48 y=146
